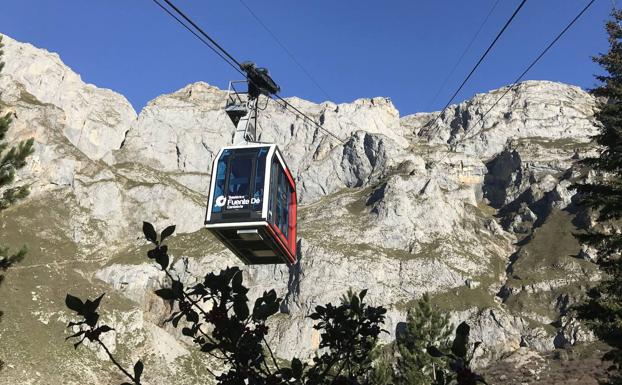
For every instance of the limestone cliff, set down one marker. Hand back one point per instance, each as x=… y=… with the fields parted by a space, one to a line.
x=486 y=228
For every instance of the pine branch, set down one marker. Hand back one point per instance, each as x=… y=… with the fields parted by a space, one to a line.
x=603 y=196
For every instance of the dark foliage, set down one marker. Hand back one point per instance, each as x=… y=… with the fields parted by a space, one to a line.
x=349 y=333
x=216 y=314
x=11 y=159
x=89 y=328
x=238 y=340
x=603 y=196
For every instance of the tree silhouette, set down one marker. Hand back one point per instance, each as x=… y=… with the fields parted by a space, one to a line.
x=12 y=158
x=602 y=195
x=216 y=315
x=88 y=328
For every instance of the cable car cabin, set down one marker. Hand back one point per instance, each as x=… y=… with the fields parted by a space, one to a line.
x=252 y=204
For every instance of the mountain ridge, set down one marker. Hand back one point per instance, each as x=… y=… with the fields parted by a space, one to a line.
x=392 y=210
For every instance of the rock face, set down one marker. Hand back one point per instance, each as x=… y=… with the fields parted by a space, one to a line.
x=478 y=214
x=95 y=119
x=534 y=109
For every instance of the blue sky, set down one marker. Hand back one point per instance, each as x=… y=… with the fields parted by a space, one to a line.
x=396 y=48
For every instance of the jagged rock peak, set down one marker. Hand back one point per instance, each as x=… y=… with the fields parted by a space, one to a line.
x=96 y=118
x=545 y=109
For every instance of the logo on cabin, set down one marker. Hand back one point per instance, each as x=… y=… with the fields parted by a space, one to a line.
x=220 y=201
x=236 y=201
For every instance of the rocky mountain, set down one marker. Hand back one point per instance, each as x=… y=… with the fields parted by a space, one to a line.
x=476 y=212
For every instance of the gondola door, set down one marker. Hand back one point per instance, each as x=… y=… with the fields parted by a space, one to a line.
x=239 y=184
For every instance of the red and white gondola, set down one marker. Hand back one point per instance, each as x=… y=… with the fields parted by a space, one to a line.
x=252 y=202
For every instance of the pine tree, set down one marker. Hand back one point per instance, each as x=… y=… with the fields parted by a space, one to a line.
x=426 y=325
x=603 y=197
x=382 y=358
x=12 y=158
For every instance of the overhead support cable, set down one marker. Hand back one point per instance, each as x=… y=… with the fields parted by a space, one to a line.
x=201 y=39
x=481 y=59
x=228 y=58
x=287 y=51
x=306 y=72
x=466 y=49
x=309 y=119
x=202 y=32
x=529 y=67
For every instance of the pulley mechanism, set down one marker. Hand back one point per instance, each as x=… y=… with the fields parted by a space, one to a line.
x=241 y=107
